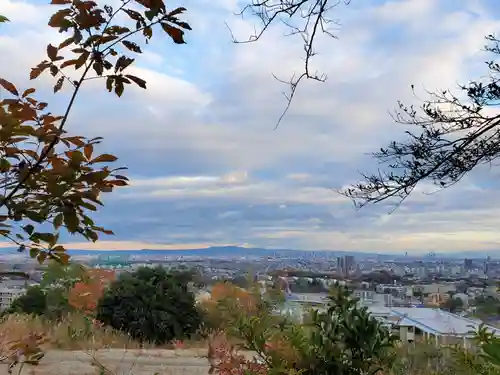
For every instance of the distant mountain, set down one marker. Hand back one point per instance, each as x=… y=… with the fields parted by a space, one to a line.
x=221 y=251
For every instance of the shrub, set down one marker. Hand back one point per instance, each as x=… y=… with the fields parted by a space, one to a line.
x=151 y=305
x=344 y=340
x=33 y=302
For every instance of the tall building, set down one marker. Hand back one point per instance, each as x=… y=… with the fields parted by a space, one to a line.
x=468 y=264
x=346 y=264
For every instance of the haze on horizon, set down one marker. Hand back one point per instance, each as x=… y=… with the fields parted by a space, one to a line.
x=206 y=167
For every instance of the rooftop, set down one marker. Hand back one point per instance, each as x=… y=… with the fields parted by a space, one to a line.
x=438 y=322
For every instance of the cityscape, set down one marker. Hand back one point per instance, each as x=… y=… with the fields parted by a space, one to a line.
x=430 y=295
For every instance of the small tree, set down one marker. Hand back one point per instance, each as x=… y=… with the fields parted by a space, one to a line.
x=33 y=302
x=453 y=304
x=84 y=295
x=151 y=305
x=344 y=340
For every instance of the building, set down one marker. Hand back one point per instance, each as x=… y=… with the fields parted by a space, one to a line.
x=442 y=327
x=346 y=264
x=468 y=265
x=8 y=295
x=411 y=324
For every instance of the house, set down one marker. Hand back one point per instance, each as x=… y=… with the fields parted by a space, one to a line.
x=415 y=324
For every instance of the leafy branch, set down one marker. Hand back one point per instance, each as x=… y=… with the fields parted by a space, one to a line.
x=49 y=176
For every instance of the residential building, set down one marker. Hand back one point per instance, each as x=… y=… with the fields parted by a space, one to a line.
x=8 y=295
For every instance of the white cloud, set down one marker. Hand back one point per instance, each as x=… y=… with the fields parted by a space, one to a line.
x=211 y=107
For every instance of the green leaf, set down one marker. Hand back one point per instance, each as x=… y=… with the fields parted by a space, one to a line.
x=34 y=252
x=71 y=221
x=29 y=229
x=58 y=220
x=4 y=19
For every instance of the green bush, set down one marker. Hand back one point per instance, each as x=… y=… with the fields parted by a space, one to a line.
x=343 y=340
x=33 y=302
x=151 y=305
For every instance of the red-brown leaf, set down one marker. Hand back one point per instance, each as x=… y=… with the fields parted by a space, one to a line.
x=35 y=72
x=58 y=17
x=177 y=11
x=28 y=92
x=66 y=42
x=68 y=63
x=9 y=87
x=175 y=33
x=104 y=158
x=59 y=84
x=138 y=81
x=132 y=46
x=87 y=151
x=51 y=52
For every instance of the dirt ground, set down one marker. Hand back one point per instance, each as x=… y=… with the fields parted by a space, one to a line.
x=118 y=362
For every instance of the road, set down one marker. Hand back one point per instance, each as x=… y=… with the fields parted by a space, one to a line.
x=118 y=362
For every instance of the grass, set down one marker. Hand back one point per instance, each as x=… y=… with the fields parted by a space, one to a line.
x=75 y=332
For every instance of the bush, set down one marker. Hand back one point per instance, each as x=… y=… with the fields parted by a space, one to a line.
x=33 y=302
x=344 y=340
x=150 y=304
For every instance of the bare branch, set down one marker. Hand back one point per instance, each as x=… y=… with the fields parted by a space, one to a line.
x=306 y=18
x=454 y=136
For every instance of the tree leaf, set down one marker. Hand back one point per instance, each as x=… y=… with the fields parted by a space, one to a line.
x=138 y=81
x=60 y=2
x=58 y=18
x=122 y=63
x=71 y=221
x=98 y=68
x=134 y=47
x=87 y=151
x=58 y=84
x=35 y=72
x=175 y=33
x=119 y=87
x=9 y=87
x=58 y=220
x=177 y=11
x=66 y=43
x=3 y=19
x=109 y=83
x=104 y=158
x=41 y=257
x=63 y=258
x=51 y=52
x=34 y=252
x=29 y=229
x=68 y=63
x=28 y=92
x=82 y=59
x=184 y=25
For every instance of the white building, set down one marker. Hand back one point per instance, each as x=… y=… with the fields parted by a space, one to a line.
x=432 y=324
x=8 y=295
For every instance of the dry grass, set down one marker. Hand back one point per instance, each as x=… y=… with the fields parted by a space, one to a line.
x=74 y=332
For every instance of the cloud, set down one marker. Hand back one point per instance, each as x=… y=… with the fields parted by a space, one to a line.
x=207 y=167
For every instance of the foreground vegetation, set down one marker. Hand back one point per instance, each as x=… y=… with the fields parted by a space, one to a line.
x=142 y=310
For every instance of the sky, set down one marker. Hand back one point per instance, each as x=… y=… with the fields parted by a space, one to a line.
x=207 y=167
